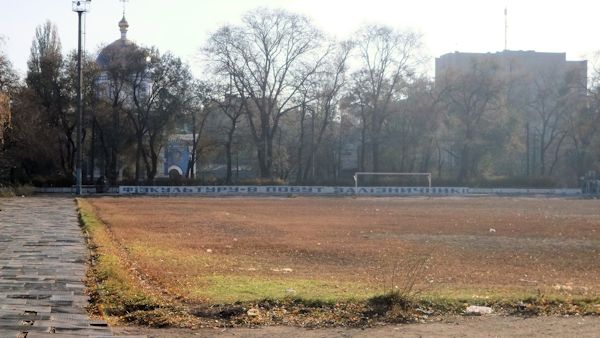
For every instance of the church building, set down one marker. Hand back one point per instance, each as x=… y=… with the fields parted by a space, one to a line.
x=114 y=88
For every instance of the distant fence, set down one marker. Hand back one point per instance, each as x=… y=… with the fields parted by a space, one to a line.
x=312 y=191
x=291 y=190
x=71 y=190
x=336 y=191
x=517 y=191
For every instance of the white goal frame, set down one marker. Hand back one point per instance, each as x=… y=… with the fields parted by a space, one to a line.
x=357 y=174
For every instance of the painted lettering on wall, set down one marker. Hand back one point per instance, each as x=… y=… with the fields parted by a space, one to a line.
x=291 y=190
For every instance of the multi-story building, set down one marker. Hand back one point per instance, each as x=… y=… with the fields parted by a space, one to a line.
x=538 y=90
x=525 y=70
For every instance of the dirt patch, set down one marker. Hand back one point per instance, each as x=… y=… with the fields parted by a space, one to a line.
x=495 y=326
x=477 y=246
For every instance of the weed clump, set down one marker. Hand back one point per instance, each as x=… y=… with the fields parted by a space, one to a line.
x=393 y=306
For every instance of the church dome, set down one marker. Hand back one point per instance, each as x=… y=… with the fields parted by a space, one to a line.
x=119 y=50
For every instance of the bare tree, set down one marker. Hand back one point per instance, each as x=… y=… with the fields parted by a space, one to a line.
x=583 y=127
x=328 y=84
x=471 y=96
x=548 y=106
x=357 y=103
x=90 y=72
x=158 y=85
x=47 y=77
x=227 y=102
x=197 y=112
x=30 y=146
x=269 y=57
x=410 y=132
x=119 y=63
x=388 y=59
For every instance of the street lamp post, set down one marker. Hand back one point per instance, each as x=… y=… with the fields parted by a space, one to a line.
x=80 y=7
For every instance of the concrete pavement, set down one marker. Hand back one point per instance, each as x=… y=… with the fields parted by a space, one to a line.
x=43 y=261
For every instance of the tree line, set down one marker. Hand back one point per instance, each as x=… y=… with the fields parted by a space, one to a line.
x=280 y=99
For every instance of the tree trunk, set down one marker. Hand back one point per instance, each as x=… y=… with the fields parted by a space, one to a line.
x=363 y=145
x=148 y=166
x=543 y=153
x=93 y=151
x=261 y=151
x=153 y=168
x=376 y=122
x=192 y=160
x=114 y=167
x=440 y=162
x=228 y=151
x=190 y=173
x=299 y=174
x=557 y=152
x=465 y=158
x=138 y=157
x=375 y=153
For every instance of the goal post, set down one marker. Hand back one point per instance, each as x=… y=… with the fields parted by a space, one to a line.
x=358 y=174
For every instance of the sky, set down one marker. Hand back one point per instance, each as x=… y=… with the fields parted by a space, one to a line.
x=182 y=26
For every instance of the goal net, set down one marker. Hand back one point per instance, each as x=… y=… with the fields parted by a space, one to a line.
x=393 y=179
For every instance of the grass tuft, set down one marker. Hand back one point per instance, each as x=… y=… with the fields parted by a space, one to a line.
x=392 y=305
x=115 y=292
x=232 y=288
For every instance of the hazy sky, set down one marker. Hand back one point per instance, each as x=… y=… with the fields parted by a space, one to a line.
x=182 y=26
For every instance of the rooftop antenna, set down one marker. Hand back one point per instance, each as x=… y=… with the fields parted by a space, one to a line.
x=506 y=27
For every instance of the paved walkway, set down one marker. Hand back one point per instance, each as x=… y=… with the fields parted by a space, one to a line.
x=43 y=261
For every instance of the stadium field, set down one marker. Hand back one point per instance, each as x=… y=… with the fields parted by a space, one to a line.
x=223 y=250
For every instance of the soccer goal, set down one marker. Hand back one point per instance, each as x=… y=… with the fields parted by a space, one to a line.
x=359 y=174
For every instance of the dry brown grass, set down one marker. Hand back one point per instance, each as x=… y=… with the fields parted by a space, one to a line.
x=228 y=249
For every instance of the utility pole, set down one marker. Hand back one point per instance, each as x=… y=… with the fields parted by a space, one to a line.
x=80 y=7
